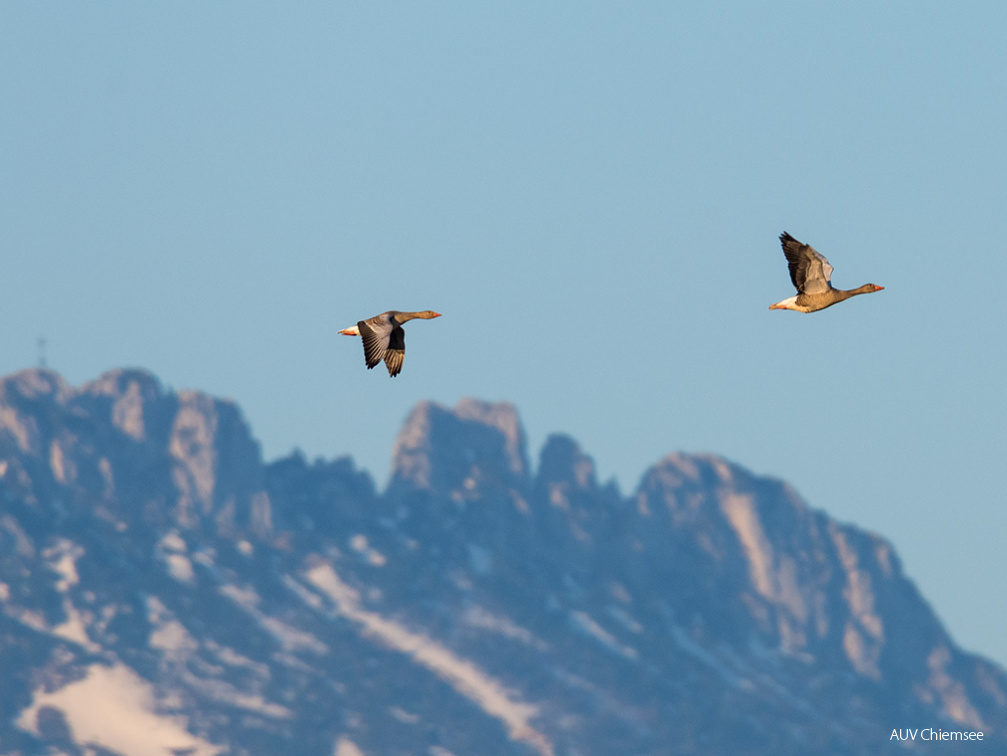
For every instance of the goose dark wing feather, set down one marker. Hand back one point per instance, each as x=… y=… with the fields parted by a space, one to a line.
x=810 y=272
x=395 y=354
x=792 y=251
x=375 y=342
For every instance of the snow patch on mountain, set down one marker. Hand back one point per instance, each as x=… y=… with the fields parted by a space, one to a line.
x=115 y=708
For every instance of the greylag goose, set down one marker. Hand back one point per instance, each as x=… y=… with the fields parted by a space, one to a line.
x=811 y=274
x=384 y=338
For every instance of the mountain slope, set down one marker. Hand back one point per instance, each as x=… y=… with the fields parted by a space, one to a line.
x=162 y=589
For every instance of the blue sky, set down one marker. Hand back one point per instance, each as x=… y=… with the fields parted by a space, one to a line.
x=591 y=193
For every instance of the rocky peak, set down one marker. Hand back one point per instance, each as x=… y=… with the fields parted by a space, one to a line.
x=131 y=399
x=27 y=402
x=504 y=418
x=567 y=496
x=562 y=465
x=816 y=589
x=33 y=383
x=218 y=465
x=460 y=454
x=121 y=440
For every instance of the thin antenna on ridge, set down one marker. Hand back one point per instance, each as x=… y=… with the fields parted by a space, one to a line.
x=41 y=352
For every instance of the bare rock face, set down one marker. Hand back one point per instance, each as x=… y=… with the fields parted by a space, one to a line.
x=752 y=560
x=570 y=504
x=460 y=479
x=157 y=578
x=458 y=453
x=122 y=447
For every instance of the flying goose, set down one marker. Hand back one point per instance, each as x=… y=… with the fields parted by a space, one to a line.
x=384 y=338
x=811 y=274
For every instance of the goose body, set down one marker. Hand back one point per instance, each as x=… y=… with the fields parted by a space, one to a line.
x=811 y=275
x=384 y=338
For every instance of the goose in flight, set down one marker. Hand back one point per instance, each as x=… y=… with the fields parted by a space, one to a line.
x=384 y=338
x=811 y=274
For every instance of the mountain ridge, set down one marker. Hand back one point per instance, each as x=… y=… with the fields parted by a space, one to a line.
x=476 y=605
